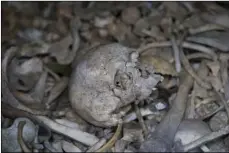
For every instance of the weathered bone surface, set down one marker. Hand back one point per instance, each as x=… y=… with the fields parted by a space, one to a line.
x=190 y=130
x=106 y=79
x=10 y=135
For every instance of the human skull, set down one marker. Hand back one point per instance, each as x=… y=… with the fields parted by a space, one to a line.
x=106 y=79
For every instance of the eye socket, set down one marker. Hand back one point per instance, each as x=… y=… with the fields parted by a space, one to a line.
x=70 y=47
x=118 y=84
x=21 y=82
